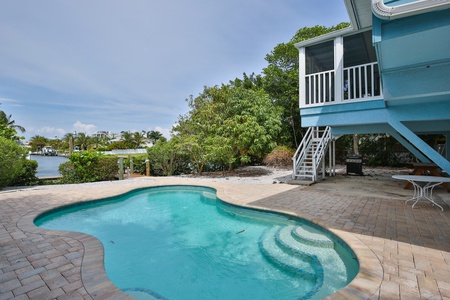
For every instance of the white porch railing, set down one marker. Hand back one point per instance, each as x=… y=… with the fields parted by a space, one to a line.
x=360 y=83
x=320 y=88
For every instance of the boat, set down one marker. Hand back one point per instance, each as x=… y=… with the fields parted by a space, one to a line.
x=48 y=151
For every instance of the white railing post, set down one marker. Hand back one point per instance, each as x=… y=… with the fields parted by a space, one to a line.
x=338 y=67
x=302 y=77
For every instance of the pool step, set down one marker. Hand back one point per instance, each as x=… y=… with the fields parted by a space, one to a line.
x=289 y=244
x=304 y=251
x=297 y=264
x=311 y=236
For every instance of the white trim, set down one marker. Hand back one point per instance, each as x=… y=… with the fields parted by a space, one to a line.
x=351 y=10
x=302 y=76
x=326 y=37
x=366 y=99
x=338 y=67
x=384 y=12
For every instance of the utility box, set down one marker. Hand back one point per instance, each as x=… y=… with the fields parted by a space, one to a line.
x=354 y=164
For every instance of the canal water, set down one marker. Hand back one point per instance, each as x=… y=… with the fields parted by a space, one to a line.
x=48 y=165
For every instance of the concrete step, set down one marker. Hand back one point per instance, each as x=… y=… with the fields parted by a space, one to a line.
x=311 y=236
x=300 y=266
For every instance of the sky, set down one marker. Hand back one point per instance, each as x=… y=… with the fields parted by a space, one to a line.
x=129 y=65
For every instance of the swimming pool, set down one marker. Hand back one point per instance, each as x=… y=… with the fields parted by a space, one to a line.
x=181 y=242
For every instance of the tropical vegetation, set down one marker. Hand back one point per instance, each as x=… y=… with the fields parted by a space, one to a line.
x=15 y=169
x=250 y=120
x=240 y=122
x=82 y=141
x=88 y=166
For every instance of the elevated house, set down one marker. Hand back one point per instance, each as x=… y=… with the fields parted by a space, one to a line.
x=389 y=72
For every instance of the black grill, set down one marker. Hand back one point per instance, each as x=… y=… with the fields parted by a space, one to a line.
x=354 y=164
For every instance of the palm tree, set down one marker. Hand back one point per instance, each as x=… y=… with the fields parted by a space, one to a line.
x=105 y=141
x=82 y=140
x=38 y=142
x=4 y=119
x=127 y=138
x=68 y=139
x=154 y=136
x=96 y=141
x=139 y=138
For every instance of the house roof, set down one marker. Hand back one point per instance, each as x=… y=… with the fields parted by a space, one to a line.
x=395 y=9
x=361 y=12
x=360 y=15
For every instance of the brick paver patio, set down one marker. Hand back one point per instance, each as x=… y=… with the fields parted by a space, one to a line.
x=404 y=253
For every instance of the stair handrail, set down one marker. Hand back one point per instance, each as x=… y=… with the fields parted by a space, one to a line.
x=300 y=152
x=321 y=148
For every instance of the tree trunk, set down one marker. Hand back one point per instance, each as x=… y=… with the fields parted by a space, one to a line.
x=355 y=144
x=70 y=145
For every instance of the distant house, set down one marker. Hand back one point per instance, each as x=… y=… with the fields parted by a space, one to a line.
x=387 y=73
x=103 y=134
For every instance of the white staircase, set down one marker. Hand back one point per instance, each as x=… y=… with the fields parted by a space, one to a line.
x=309 y=159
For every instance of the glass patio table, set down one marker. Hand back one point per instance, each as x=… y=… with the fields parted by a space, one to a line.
x=423 y=187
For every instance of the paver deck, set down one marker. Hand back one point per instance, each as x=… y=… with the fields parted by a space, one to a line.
x=404 y=253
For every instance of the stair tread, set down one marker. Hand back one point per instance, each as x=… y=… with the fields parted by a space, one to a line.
x=312 y=236
x=285 y=238
x=293 y=264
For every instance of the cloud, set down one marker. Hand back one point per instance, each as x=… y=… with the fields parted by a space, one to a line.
x=50 y=130
x=134 y=66
x=11 y=102
x=86 y=128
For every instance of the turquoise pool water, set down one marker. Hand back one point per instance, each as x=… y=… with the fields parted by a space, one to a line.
x=181 y=242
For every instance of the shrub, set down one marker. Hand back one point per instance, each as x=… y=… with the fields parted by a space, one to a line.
x=12 y=160
x=163 y=158
x=68 y=172
x=88 y=166
x=28 y=175
x=280 y=157
x=118 y=145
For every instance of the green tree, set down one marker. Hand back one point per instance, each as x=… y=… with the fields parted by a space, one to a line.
x=12 y=160
x=221 y=152
x=96 y=141
x=281 y=83
x=229 y=124
x=163 y=157
x=154 y=136
x=120 y=145
x=9 y=122
x=307 y=33
x=194 y=149
x=128 y=139
x=248 y=82
x=28 y=175
x=252 y=123
x=82 y=140
x=139 y=138
x=8 y=127
x=58 y=144
x=38 y=142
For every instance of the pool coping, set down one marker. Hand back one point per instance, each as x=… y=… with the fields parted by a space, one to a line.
x=96 y=282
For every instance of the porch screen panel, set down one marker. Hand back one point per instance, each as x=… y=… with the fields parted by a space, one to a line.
x=319 y=63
